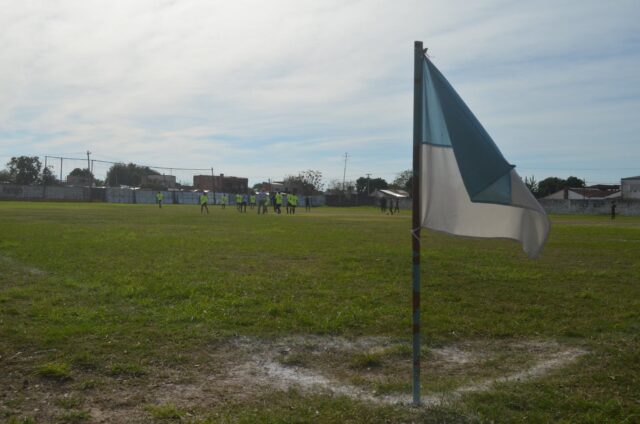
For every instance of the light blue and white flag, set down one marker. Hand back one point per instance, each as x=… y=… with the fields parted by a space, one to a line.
x=467 y=187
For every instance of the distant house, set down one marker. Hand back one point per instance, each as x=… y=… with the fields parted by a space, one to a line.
x=630 y=187
x=584 y=193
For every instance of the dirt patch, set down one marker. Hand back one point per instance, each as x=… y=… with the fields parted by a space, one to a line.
x=370 y=369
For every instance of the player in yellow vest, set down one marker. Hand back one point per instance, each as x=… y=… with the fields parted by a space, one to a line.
x=159 y=198
x=223 y=201
x=278 y=202
x=203 y=202
x=293 y=202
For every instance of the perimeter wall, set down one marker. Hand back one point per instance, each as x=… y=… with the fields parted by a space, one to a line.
x=629 y=207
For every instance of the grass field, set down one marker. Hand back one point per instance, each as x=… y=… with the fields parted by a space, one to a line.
x=128 y=313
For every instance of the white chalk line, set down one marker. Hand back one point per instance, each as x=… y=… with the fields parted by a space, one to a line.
x=284 y=377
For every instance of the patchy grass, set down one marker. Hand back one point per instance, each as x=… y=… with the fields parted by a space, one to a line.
x=146 y=303
x=365 y=361
x=54 y=371
x=69 y=402
x=126 y=370
x=74 y=417
x=164 y=412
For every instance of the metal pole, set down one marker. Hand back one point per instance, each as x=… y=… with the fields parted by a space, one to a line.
x=60 y=169
x=44 y=178
x=415 y=232
x=213 y=186
x=344 y=174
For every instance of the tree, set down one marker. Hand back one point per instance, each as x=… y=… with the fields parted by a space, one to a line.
x=575 y=182
x=129 y=174
x=307 y=182
x=313 y=180
x=531 y=184
x=336 y=186
x=84 y=173
x=25 y=169
x=48 y=178
x=368 y=185
x=5 y=176
x=554 y=184
x=550 y=185
x=404 y=181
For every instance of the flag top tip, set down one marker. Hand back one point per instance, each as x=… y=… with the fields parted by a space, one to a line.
x=419 y=45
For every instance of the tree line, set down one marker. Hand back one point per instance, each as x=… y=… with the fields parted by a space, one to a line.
x=28 y=170
x=551 y=185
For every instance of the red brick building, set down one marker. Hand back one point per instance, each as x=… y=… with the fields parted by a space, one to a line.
x=221 y=184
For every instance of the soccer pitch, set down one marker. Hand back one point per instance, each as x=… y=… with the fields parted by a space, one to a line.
x=130 y=313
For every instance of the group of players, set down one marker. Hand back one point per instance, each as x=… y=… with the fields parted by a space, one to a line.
x=262 y=200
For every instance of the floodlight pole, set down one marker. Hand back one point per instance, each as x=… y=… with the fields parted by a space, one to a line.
x=415 y=222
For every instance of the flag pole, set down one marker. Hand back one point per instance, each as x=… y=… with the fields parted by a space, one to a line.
x=415 y=222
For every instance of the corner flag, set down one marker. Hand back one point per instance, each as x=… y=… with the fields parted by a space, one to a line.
x=462 y=184
x=467 y=186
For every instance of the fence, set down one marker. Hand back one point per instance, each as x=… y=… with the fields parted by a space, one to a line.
x=355 y=200
x=21 y=192
x=118 y=195
x=629 y=207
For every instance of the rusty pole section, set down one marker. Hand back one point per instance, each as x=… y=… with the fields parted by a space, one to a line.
x=415 y=222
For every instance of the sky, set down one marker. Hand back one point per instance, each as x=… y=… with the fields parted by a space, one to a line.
x=266 y=89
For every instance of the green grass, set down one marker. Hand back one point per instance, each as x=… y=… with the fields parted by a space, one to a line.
x=54 y=371
x=164 y=412
x=102 y=292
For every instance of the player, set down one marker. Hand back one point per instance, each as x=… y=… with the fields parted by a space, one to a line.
x=292 y=199
x=278 y=203
x=159 y=199
x=203 y=203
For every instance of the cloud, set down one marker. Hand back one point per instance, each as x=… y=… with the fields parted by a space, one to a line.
x=266 y=89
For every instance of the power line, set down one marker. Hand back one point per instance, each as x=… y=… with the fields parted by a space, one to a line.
x=157 y=167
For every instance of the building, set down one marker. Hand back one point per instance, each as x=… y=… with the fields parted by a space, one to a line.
x=221 y=184
x=630 y=187
x=270 y=186
x=158 y=182
x=585 y=193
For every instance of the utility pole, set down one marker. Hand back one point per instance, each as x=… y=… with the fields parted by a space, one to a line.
x=344 y=174
x=368 y=179
x=89 y=167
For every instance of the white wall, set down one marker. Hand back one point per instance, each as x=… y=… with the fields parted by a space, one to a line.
x=630 y=189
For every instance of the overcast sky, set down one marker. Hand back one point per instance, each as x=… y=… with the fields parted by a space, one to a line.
x=264 y=89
